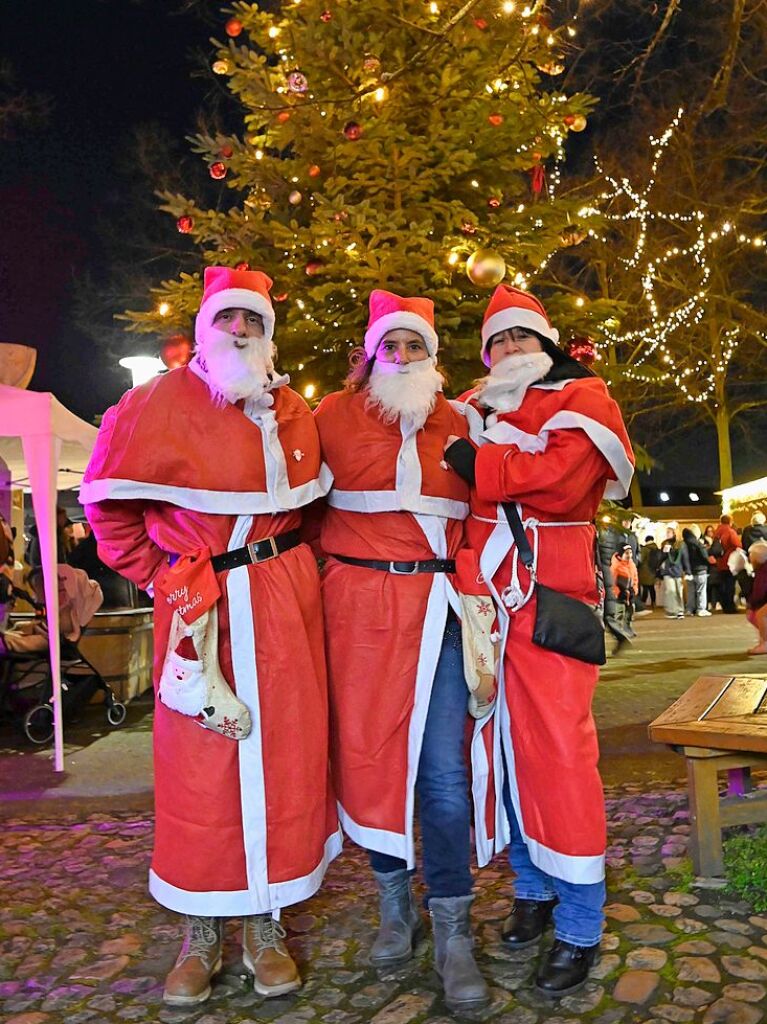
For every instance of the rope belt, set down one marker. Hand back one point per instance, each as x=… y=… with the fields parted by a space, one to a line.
x=256 y=551
x=513 y=596
x=401 y=568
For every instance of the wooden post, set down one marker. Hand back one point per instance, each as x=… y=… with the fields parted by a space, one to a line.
x=706 y=829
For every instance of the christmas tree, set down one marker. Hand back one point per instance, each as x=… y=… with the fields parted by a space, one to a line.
x=400 y=144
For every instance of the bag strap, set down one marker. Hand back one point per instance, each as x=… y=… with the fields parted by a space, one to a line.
x=518 y=532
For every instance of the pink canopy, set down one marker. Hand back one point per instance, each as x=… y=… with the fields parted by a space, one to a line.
x=43 y=424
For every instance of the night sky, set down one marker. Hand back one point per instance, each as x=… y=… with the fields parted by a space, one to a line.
x=107 y=66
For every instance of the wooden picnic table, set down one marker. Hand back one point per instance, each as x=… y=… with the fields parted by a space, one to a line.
x=719 y=724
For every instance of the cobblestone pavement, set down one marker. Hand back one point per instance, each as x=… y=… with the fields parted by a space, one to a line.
x=80 y=939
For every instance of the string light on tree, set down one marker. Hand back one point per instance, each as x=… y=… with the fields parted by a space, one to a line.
x=654 y=345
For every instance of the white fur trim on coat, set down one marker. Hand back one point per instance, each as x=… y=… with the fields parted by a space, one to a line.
x=234 y=298
x=400 y=319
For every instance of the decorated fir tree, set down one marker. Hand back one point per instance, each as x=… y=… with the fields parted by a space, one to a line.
x=401 y=144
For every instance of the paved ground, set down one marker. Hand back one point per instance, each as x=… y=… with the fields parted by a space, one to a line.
x=81 y=941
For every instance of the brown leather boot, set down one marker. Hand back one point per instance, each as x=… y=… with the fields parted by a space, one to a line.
x=197 y=963
x=265 y=955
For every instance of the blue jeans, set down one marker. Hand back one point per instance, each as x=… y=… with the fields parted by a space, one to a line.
x=442 y=784
x=578 y=916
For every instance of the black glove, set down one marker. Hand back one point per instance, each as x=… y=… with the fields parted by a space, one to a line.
x=462 y=455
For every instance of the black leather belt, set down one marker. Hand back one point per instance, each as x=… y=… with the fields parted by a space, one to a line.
x=256 y=551
x=401 y=568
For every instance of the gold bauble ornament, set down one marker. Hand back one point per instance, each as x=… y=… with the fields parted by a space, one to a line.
x=295 y=197
x=578 y=123
x=485 y=268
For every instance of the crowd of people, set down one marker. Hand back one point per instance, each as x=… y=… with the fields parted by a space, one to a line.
x=692 y=573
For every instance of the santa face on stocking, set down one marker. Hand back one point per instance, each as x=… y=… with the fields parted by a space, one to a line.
x=236 y=354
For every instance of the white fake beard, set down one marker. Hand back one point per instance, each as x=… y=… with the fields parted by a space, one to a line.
x=506 y=385
x=407 y=392
x=236 y=373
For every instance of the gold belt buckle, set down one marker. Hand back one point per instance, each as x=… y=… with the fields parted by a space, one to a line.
x=254 y=544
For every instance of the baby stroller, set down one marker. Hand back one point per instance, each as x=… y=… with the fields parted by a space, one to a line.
x=26 y=685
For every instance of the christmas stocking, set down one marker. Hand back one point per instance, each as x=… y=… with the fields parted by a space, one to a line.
x=191 y=681
x=478 y=633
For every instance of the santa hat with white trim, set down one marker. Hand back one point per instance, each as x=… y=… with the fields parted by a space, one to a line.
x=390 y=312
x=226 y=288
x=511 y=307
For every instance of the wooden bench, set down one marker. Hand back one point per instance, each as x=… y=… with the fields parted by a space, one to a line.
x=719 y=724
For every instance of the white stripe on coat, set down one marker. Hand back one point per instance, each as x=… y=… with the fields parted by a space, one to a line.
x=196 y=499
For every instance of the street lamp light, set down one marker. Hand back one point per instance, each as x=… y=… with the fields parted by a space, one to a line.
x=143 y=368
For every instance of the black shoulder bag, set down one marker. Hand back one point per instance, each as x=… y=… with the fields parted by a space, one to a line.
x=562 y=624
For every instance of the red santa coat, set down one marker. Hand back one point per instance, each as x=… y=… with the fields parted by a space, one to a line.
x=250 y=826
x=391 y=500
x=556 y=456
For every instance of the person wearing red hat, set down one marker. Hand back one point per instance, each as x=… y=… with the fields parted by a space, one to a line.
x=195 y=487
x=547 y=439
x=391 y=531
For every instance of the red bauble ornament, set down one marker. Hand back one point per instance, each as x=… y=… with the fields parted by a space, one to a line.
x=467 y=228
x=480 y=23
x=494 y=202
x=176 y=351
x=315 y=171
x=281 y=297
x=225 y=151
x=242 y=266
x=352 y=131
x=185 y=224
x=569 y=119
x=326 y=16
x=582 y=349
x=233 y=27
x=283 y=116
x=313 y=267
x=495 y=119
x=217 y=170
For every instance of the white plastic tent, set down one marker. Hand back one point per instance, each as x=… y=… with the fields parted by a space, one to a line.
x=43 y=424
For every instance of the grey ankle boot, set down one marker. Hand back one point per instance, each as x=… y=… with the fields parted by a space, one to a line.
x=401 y=925
x=465 y=988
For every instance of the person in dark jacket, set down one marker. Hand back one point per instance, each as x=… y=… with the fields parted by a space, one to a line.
x=614 y=619
x=697 y=581
x=756 y=531
x=672 y=566
x=649 y=556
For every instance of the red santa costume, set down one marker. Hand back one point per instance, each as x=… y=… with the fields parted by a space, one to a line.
x=391 y=500
x=555 y=447
x=247 y=827
x=552 y=444
x=399 y=699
